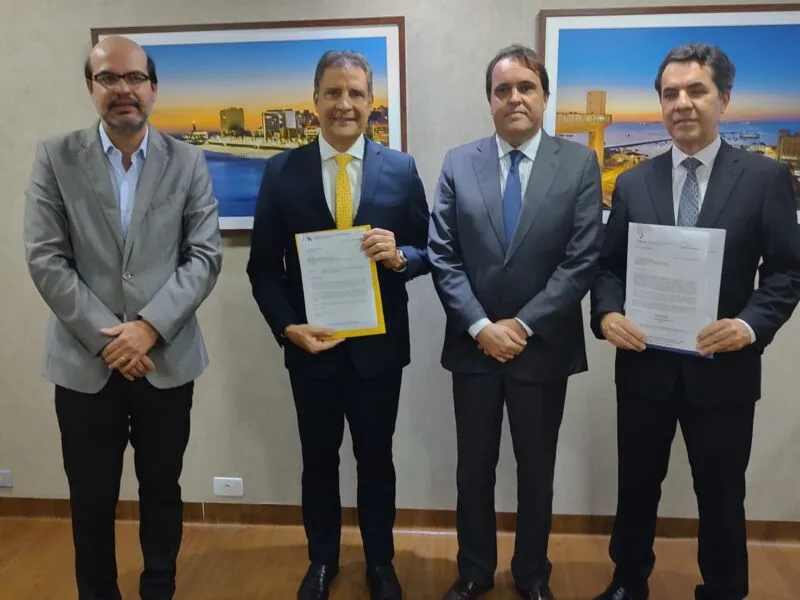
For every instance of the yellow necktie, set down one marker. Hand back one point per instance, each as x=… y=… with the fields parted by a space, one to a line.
x=344 y=198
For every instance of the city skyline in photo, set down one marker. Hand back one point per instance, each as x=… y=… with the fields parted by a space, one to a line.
x=766 y=86
x=197 y=81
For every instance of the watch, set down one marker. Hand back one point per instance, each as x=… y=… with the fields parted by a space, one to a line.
x=403 y=266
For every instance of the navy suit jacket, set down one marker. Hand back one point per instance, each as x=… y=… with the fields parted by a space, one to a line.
x=292 y=200
x=751 y=197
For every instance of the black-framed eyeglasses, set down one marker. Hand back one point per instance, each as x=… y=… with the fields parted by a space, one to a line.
x=133 y=79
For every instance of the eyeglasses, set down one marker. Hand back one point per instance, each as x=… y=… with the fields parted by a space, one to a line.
x=107 y=80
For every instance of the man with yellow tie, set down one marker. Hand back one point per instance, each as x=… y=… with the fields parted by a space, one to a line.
x=340 y=181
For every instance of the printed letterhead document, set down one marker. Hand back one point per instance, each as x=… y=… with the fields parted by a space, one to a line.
x=673 y=279
x=340 y=283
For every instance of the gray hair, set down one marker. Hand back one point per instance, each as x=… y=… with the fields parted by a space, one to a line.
x=722 y=69
x=338 y=58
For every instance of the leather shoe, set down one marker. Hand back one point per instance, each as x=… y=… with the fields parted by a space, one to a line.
x=383 y=583
x=316 y=583
x=616 y=591
x=465 y=590
x=539 y=592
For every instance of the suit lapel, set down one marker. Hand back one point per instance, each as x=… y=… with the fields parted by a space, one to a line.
x=543 y=173
x=659 y=183
x=307 y=167
x=98 y=178
x=486 y=163
x=154 y=166
x=370 y=175
x=724 y=175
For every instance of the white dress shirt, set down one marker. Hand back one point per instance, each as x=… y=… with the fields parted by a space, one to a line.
x=706 y=156
x=529 y=150
x=330 y=170
x=124 y=181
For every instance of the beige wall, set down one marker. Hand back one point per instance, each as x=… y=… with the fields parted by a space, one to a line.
x=243 y=421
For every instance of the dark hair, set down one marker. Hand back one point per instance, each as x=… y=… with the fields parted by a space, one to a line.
x=527 y=57
x=342 y=58
x=722 y=69
x=151 y=69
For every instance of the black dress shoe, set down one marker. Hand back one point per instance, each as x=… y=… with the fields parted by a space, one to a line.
x=616 y=591
x=316 y=583
x=539 y=592
x=465 y=590
x=383 y=583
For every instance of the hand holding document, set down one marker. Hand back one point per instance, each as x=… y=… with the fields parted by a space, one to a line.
x=673 y=279
x=340 y=283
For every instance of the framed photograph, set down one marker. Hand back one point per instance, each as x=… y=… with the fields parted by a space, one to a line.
x=603 y=64
x=244 y=92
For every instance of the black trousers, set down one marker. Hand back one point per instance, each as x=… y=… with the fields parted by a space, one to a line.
x=370 y=407
x=718 y=442
x=534 y=413
x=95 y=430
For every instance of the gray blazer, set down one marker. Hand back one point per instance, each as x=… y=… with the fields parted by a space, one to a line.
x=92 y=279
x=539 y=276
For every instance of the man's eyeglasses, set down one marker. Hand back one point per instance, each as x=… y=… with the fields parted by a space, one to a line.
x=107 y=80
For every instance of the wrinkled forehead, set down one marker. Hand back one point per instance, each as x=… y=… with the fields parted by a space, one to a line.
x=686 y=75
x=344 y=77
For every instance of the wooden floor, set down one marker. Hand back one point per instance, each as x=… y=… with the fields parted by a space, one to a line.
x=266 y=563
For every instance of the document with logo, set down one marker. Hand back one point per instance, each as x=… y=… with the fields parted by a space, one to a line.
x=673 y=279
x=340 y=283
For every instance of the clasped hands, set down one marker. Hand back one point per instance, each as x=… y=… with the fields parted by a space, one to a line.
x=724 y=335
x=502 y=340
x=127 y=352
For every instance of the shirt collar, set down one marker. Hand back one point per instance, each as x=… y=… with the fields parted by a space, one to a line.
x=108 y=144
x=529 y=148
x=706 y=156
x=327 y=151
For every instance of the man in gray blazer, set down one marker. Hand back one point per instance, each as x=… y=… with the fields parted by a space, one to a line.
x=122 y=241
x=514 y=241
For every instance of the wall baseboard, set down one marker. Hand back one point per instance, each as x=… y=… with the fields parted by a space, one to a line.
x=407 y=519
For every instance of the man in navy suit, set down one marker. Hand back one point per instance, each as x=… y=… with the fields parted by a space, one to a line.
x=357 y=379
x=701 y=182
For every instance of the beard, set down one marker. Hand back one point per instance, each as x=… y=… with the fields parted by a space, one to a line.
x=128 y=123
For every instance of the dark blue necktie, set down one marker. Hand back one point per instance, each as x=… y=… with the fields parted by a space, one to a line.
x=512 y=196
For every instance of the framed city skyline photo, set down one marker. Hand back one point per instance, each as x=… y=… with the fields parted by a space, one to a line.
x=244 y=92
x=603 y=63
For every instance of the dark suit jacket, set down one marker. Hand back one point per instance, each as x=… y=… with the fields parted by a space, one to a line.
x=540 y=275
x=292 y=200
x=748 y=195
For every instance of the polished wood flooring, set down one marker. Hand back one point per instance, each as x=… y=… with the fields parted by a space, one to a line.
x=259 y=562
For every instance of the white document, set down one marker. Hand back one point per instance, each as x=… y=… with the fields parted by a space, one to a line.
x=339 y=282
x=673 y=279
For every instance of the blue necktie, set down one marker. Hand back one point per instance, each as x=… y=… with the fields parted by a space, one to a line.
x=512 y=196
x=689 y=206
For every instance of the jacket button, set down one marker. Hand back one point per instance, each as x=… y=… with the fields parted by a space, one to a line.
x=127 y=276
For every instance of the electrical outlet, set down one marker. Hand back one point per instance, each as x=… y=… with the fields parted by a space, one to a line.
x=228 y=486
x=5 y=478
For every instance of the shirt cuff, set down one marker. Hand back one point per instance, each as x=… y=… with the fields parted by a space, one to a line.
x=750 y=329
x=478 y=326
x=524 y=326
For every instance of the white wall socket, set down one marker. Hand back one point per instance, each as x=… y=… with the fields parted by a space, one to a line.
x=228 y=486
x=5 y=478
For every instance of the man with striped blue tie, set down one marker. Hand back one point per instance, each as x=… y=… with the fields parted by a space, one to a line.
x=701 y=182
x=514 y=240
